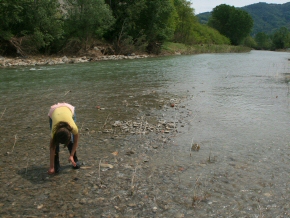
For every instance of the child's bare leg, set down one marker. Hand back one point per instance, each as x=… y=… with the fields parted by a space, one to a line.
x=52 y=154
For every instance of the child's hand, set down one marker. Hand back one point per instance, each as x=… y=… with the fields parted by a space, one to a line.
x=71 y=159
x=50 y=171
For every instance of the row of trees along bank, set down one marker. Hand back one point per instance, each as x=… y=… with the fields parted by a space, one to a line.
x=280 y=39
x=75 y=26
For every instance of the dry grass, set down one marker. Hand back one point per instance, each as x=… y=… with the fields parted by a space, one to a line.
x=198 y=194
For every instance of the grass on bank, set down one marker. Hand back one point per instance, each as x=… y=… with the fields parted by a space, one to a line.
x=175 y=48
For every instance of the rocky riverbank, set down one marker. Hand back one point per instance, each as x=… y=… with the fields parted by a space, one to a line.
x=47 y=60
x=101 y=53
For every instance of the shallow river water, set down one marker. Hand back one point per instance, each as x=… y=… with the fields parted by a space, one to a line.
x=236 y=107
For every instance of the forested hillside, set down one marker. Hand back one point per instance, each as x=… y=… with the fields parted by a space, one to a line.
x=105 y=27
x=78 y=26
x=268 y=18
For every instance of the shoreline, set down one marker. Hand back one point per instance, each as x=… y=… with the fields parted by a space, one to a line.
x=168 y=49
x=47 y=60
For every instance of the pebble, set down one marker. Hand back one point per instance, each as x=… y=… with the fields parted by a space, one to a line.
x=132 y=205
x=40 y=206
x=107 y=165
x=195 y=147
x=83 y=201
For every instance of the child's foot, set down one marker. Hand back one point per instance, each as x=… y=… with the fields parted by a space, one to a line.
x=50 y=171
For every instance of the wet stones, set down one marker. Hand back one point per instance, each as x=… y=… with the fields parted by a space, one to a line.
x=37 y=61
x=109 y=166
x=107 y=131
x=130 y=153
x=142 y=127
x=195 y=147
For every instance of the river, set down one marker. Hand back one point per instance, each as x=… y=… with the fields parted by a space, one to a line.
x=234 y=106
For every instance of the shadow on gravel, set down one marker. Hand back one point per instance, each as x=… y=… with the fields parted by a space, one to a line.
x=38 y=174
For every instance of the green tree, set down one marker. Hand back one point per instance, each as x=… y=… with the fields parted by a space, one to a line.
x=281 y=38
x=10 y=15
x=87 y=19
x=234 y=23
x=185 y=21
x=29 y=25
x=142 y=23
x=126 y=34
x=158 y=22
x=190 y=31
x=263 y=41
x=250 y=42
x=204 y=34
x=42 y=24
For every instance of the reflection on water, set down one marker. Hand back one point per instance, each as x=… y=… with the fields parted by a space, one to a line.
x=239 y=107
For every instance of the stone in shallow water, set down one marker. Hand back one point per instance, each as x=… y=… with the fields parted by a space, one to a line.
x=107 y=165
x=195 y=147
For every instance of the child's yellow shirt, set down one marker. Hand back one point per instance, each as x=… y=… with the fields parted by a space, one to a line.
x=63 y=114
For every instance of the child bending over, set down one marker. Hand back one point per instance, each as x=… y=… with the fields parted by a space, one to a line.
x=63 y=131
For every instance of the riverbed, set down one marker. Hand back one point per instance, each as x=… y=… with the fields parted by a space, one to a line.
x=138 y=120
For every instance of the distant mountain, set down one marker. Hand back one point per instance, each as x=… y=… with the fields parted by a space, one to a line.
x=267 y=17
x=204 y=17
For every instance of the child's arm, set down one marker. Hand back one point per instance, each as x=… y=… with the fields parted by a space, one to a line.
x=74 y=148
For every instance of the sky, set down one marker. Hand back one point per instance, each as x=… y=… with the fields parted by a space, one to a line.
x=201 y=6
